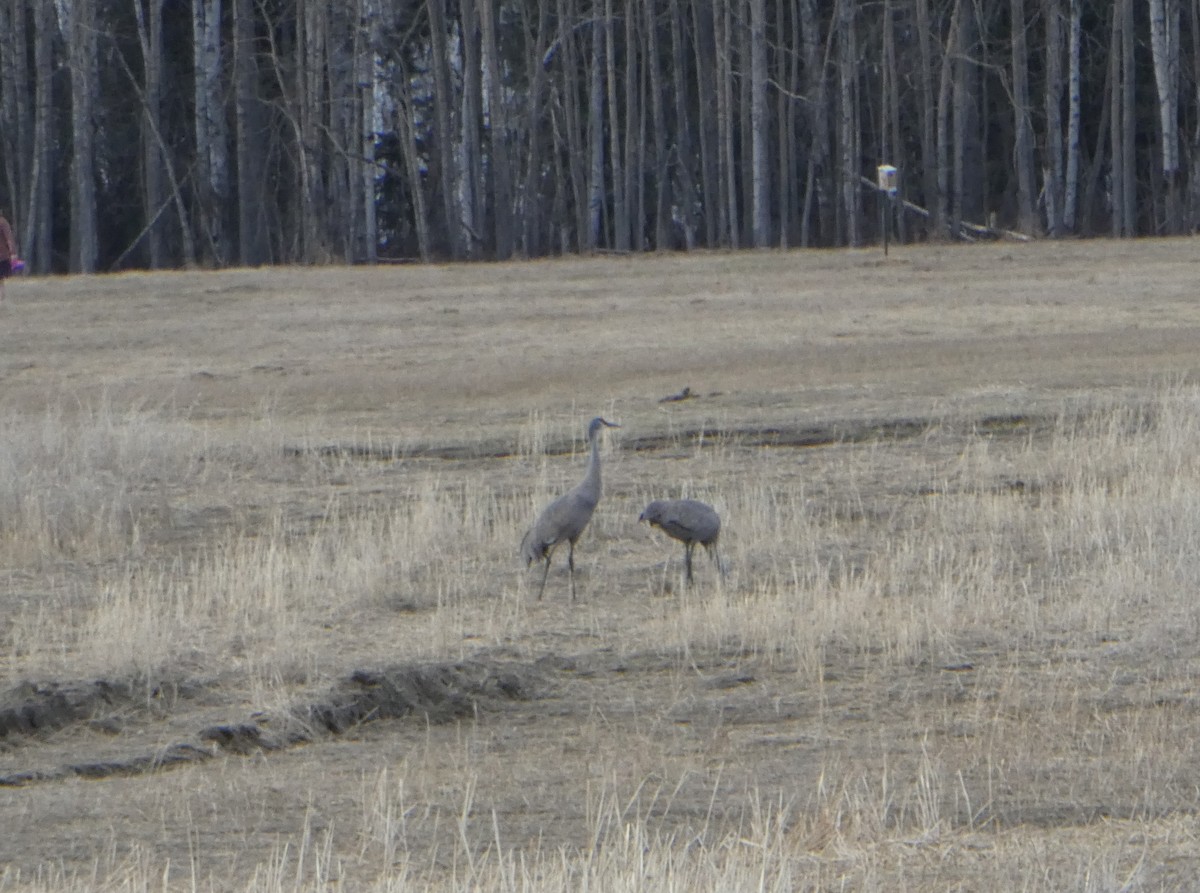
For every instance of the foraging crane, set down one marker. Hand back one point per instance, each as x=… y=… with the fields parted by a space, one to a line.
x=566 y=517
x=689 y=521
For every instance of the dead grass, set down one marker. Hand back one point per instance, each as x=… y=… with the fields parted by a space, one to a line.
x=954 y=648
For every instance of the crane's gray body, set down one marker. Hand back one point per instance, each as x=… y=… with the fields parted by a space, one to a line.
x=688 y=520
x=568 y=515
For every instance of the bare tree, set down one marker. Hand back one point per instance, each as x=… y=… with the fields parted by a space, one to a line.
x=635 y=123
x=595 y=123
x=817 y=186
x=847 y=80
x=928 y=120
x=1164 y=42
x=658 y=126
x=759 y=122
x=78 y=23
x=39 y=222
x=1128 y=119
x=250 y=141
x=1053 y=152
x=448 y=179
x=620 y=209
x=684 y=156
x=211 y=132
x=1074 y=113
x=530 y=208
x=470 y=120
x=367 y=43
x=727 y=165
x=1023 y=148
x=16 y=110
x=499 y=145
x=705 y=29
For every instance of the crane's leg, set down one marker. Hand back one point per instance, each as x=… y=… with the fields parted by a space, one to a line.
x=571 y=565
x=687 y=559
x=545 y=573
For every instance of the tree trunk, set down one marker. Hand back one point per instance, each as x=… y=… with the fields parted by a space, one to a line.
x=447 y=152
x=499 y=145
x=16 y=113
x=933 y=199
x=368 y=81
x=154 y=197
x=1128 y=120
x=706 y=117
x=406 y=131
x=787 y=73
x=889 y=125
x=212 y=156
x=531 y=199
x=659 y=126
x=79 y=27
x=847 y=80
x=1023 y=138
x=1164 y=42
x=759 y=123
x=595 y=124
x=1116 y=129
x=635 y=121
x=816 y=188
x=578 y=155
x=251 y=147
x=727 y=164
x=684 y=158
x=620 y=210
x=1053 y=179
x=1074 y=115
x=470 y=143
x=945 y=89
x=39 y=242
x=1194 y=159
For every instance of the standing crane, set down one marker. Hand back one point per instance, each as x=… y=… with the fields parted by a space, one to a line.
x=566 y=517
x=689 y=521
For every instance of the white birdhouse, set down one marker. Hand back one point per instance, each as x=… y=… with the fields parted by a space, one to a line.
x=888 y=179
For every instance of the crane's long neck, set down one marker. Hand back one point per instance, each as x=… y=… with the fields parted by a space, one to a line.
x=591 y=479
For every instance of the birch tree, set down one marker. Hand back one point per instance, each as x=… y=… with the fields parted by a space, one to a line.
x=211 y=131
x=1164 y=43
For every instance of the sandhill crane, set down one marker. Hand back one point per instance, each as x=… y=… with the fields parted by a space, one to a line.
x=689 y=521
x=567 y=516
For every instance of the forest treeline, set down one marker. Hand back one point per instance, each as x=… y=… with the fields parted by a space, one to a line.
x=168 y=133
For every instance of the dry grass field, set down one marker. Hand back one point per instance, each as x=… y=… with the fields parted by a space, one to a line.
x=265 y=627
